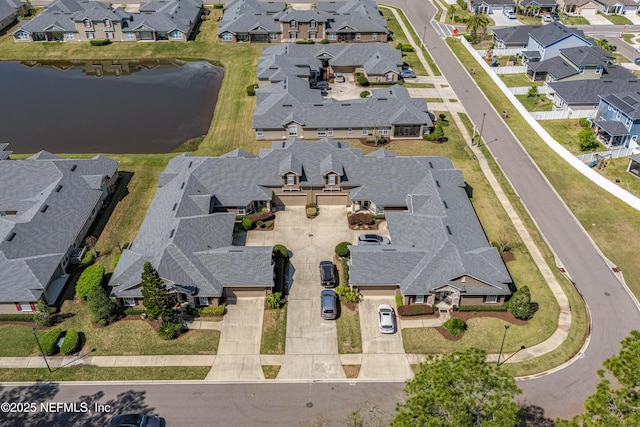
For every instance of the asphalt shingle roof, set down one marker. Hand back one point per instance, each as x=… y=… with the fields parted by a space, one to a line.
x=628 y=102
x=53 y=203
x=514 y=35
x=8 y=8
x=583 y=92
x=551 y=33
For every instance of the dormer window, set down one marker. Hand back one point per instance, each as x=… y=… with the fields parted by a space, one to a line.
x=107 y=23
x=312 y=24
x=331 y=179
x=87 y=23
x=292 y=24
x=291 y=179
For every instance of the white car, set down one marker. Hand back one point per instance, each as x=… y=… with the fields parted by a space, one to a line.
x=386 y=319
x=511 y=15
x=340 y=78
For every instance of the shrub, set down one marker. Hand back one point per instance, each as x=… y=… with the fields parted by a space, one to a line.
x=275 y=300
x=282 y=249
x=42 y=314
x=259 y=224
x=399 y=302
x=49 y=340
x=312 y=211
x=404 y=47
x=262 y=216
x=16 y=318
x=218 y=6
x=362 y=81
x=342 y=249
x=251 y=90
x=304 y=41
x=211 y=311
x=345 y=271
x=342 y=289
x=90 y=278
x=352 y=296
x=132 y=311
x=584 y=123
x=116 y=260
x=484 y=308
x=169 y=330
x=103 y=42
x=415 y=310
x=587 y=140
x=361 y=218
x=247 y=223
x=438 y=133
x=364 y=94
x=455 y=326
x=102 y=308
x=324 y=41
x=520 y=304
x=87 y=259
x=71 y=343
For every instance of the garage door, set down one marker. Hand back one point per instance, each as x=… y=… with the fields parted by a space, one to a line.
x=588 y=11
x=235 y=293
x=283 y=200
x=331 y=199
x=377 y=290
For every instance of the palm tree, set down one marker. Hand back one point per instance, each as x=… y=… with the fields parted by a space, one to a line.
x=477 y=23
x=450 y=12
x=604 y=44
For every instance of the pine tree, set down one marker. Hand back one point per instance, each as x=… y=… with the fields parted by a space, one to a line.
x=156 y=299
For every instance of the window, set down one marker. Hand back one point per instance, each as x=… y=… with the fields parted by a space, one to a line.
x=389 y=77
x=260 y=133
x=24 y=306
x=618 y=115
x=419 y=299
x=365 y=131
x=491 y=299
x=330 y=131
x=69 y=36
x=293 y=35
x=128 y=302
x=242 y=210
x=374 y=36
x=322 y=132
x=203 y=301
x=384 y=132
x=227 y=37
x=358 y=36
x=292 y=24
x=291 y=179
x=293 y=130
x=273 y=36
x=90 y=35
x=598 y=70
x=177 y=35
x=312 y=24
x=628 y=122
x=131 y=36
x=22 y=36
x=87 y=23
x=107 y=23
x=312 y=36
x=581 y=70
x=350 y=130
x=331 y=179
x=332 y=36
x=110 y=35
x=8 y=213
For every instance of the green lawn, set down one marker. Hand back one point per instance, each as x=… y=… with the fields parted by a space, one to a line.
x=616 y=170
x=274 y=331
x=18 y=341
x=538 y=103
x=517 y=80
x=566 y=133
x=348 y=324
x=575 y=20
x=97 y=373
x=618 y=19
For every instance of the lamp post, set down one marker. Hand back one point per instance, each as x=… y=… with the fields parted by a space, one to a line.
x=40 y=347
x=484 y=115
x=424 y=34
x=506 y=328
x=516 y=352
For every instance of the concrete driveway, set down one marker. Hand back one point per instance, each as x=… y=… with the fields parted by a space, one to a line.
x=311 y=350
x=503 y=20
x=597 y=19
x=383 y=355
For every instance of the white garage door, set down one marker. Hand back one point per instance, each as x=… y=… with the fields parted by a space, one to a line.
x=588 y=11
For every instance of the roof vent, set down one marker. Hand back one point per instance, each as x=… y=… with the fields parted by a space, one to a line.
x=287 y=105
x=437 y=183
x=44 y=208
x=73 y=167
x=58 y=188
x=346 y=105
x=388 y=250
x=318 y=105
x=172 y=233
x=11 y=236
x=382 y=99
x=175 y=205
x=182 y=186
x=236 y=250
x=431 y=166
x=449 y=230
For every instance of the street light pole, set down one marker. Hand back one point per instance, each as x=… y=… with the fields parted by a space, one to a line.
x=424 y=34
x=484 y=115
x=40 y=347
x=516 y=352
x=506 y=328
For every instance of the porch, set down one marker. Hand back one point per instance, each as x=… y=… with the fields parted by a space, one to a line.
x=611 y=133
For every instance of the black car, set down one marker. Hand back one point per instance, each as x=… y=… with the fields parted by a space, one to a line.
x=137 y=420
x=328 y=274
x=320 y=85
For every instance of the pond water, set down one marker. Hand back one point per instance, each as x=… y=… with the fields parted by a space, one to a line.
x=105 y=106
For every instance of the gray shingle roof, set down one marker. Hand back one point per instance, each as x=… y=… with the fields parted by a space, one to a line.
x=241 y=16
x=53 y=203
x=514 y=35
x=587 y=56
x=628 y=102
x=582 y=92
x=554 y=32
x=493 y=3
x=8 y=8
x=612 y=127
x=541 y=3
x=556 y=66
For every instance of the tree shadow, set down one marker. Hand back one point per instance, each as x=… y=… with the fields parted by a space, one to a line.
x=533 y=416
x=90 y=410
x=121 y=191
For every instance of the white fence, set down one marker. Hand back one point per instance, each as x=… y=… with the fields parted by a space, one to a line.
x=502 y=52
x=563 y=114
x=598 y=179
x=511 y=69
x=523 y=90
x=614 y=153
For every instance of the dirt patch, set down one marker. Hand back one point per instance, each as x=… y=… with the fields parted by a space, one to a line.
x=350 y=305
x=508 y=256
x=351 y=371
x=370 y=143
x=502 y=315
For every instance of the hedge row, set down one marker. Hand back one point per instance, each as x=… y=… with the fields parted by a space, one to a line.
x=16 y=317
x=131 y=311
x=469 y=308
x=103 y=42
x=71 y=343
x=415 y=310
x=89 y=279
x=48 y=341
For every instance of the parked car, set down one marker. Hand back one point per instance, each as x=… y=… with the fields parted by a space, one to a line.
x=637 y=61
x=320 y=85
x=137 y=420
x=328 y=274
x=328 y=305
x=546 y=18
x=511 y=14
x=555 y=16
x=386 y=319
x=407 y=74
x=372 y=239
x=340 y=78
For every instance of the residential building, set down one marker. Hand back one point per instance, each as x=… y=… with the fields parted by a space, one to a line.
x=84 y=20
x=573 y=63
x=512 y=37
x=287 y=107
x=339 y=21
x=537 y=6
x=617 y=7
x=47 y=205
x=490 y=7
x=617 y=121
x=546 y=41
x=438 y=249
x=585 y=94
x=579 y=7
x=9 y=12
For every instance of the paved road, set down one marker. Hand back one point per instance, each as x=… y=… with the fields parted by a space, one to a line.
x=613 y=312
x=246 y=405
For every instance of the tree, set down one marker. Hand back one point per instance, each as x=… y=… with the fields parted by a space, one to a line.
x=533 y=92
x=156 y=298
x=614 y=406
x=438 y=133
x=450 y=12
x=42 y=314
x=459 y=390
x=90 y=278
x=587 y=140
x=102 y=308
x=477 y=23
x=604 y=44
x=520 y=304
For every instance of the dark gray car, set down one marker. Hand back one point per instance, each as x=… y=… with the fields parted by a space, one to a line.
x=137 y=420
x=328 y=274
x=328 y=305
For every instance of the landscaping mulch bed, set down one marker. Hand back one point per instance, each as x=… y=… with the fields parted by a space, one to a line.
x=364 y=141
x=446 y=335
x=350 y=305
x=420 y=317
x=508 y=256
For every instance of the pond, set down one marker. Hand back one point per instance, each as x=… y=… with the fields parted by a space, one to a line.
x=114 y=106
